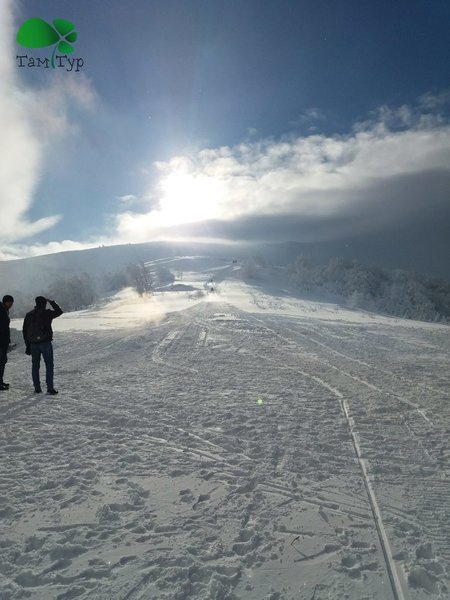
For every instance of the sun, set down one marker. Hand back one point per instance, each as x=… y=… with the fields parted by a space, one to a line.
x=188 y=198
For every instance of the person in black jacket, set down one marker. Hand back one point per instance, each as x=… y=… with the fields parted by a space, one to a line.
x=5 y=336
x=38 y=336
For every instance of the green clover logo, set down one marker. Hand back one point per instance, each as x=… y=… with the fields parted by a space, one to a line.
x=37 y=33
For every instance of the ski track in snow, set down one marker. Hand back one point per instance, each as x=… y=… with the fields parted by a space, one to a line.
x=221 y=453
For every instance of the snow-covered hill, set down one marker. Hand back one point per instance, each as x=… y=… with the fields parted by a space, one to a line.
x=36 y=273
x=235 y=444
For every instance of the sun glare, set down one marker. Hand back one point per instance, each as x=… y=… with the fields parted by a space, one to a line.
x=187 y=199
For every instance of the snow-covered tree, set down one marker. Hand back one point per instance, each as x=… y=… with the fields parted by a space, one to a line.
x=401 y=293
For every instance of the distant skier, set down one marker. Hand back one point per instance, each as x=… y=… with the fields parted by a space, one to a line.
x=5 y=336
x=38 y=336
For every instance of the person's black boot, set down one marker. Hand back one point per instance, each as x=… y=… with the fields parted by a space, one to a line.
x=37 y=391
x=4 y=386
x=52 y=392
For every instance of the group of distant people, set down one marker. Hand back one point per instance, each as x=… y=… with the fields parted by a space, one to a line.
x=37 y=334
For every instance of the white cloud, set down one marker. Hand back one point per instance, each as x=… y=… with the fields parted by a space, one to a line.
x=432 y=101
x=312 y=177
x=19 y=149
x=127 y=199
x=308 y=120
x=16 y=251
x=48 y=108
x=30 y=121
x=319 y=186
x=316 y=176
x=337 y=184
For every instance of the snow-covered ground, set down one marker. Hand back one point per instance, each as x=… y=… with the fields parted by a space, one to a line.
x=240 y=444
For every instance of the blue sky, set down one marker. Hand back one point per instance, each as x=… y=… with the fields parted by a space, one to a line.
x=211 y=118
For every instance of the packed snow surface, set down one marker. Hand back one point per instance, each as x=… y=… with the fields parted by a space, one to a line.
x=240 y=443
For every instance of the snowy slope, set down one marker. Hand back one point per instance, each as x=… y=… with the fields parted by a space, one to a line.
x=235 y=445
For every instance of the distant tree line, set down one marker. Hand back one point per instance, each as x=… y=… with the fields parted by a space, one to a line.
x=72 y=293
x=399 y=293
x=80 y=291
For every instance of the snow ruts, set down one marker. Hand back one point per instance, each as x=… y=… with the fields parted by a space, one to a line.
x=396 y=584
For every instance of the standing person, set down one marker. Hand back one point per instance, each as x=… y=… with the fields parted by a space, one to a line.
x=38 y=336
x=5 y=336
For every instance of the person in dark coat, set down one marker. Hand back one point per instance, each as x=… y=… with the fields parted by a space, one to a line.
x=38 y=336
x=5 y=336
